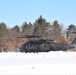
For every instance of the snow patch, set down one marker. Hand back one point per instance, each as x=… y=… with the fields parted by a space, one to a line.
x=57 y=62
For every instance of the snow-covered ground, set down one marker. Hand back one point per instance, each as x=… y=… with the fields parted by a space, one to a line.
x=54 y=63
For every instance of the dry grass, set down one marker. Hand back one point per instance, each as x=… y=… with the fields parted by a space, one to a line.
x=72 y=50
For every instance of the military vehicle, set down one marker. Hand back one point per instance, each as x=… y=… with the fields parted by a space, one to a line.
x=45 y=45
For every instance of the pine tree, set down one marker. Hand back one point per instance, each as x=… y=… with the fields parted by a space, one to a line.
x=41 y=27
x=4 y=34
x=56 y=30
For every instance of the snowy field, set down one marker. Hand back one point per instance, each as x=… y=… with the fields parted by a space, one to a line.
x=51 y=63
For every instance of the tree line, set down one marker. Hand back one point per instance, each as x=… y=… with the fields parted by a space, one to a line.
x=48 y=30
